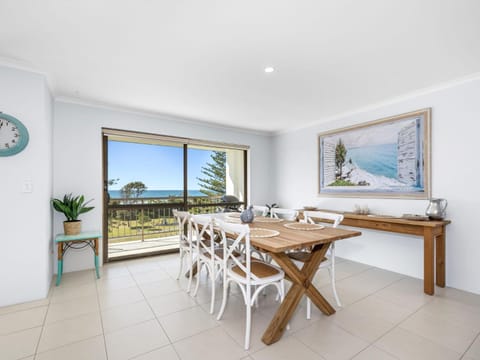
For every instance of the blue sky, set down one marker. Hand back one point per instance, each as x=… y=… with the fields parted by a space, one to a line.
x=158 y=167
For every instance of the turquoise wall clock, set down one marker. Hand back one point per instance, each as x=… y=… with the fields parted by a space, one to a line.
x=13 y=135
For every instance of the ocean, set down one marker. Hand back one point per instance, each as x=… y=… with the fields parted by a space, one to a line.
x=376 y=159
x=117 y=194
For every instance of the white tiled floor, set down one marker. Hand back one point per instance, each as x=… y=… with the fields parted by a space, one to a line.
x=138 y=310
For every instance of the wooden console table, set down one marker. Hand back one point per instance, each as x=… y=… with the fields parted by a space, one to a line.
x=433 y=233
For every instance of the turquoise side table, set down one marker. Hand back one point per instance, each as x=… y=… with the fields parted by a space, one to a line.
x=80 y=241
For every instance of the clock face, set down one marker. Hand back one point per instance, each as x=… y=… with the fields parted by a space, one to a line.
x=13 y=135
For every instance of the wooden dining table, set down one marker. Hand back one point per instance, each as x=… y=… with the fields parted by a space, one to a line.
x=277 y=247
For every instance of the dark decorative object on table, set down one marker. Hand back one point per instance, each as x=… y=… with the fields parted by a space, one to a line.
x=247 y=215
x=270 y=207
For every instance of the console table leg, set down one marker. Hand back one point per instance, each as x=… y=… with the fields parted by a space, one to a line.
x=428 y=262
x=440 y=250
x=96 y=259
x=59 y=263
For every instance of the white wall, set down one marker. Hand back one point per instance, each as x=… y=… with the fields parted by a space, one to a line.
x=26 y=218
x=455 y=173
x=78 y=157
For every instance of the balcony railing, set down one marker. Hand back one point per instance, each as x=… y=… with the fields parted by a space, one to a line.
x=144 y=219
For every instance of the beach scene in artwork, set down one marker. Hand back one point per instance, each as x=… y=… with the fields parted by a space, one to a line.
x=385 y=157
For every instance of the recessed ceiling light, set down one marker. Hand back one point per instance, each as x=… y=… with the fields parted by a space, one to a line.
x=269 y=69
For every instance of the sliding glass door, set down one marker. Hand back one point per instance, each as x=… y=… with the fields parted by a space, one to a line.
x=214 y=173
x=147 y=176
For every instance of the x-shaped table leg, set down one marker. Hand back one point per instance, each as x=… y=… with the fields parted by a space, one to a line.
x=301 y=284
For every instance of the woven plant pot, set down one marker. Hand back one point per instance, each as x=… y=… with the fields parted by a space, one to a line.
x=72 y=227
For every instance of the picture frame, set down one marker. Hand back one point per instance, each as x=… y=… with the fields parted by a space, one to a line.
x=385 y=158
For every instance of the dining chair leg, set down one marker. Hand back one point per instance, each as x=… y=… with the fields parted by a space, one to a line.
x=281 y=296
x=212 y=297
x=197 y=284
x=248 y=325
x=256 y=298
x=331 y=270
x=224 y=300
x=334 y=287
x=190 y=274
x=182 y=254
x=309 y=309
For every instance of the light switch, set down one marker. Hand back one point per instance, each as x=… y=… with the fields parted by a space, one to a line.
x=27 y=187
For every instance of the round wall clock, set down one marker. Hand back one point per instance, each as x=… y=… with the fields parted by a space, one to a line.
x=13 y=135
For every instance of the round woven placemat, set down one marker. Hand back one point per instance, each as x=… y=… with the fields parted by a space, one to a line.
x=232 y=219
x=302 y=226
x=263 y=233
x=267 y=219
x=234 y=215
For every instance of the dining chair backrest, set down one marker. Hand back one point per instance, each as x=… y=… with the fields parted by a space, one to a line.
x=286 y=214
x=203 y=228
x=259 y=210
x=252 y=277
x=235 y=236
x=184 y=225
x=186 y=246
x=319 y=215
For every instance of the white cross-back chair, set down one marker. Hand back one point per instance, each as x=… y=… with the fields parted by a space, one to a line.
x=286 y=214
x=186 y=246
x=210 y=253
x=251 y=275
x=329 y=261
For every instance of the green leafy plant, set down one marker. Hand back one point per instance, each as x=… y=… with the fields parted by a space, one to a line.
x=72 y=206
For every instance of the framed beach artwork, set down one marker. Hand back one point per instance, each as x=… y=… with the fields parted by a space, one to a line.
x=383 y=158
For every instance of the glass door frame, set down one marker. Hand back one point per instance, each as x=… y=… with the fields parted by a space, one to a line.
x=182 y=206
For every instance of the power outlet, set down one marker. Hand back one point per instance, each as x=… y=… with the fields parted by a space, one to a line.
x=27 y=187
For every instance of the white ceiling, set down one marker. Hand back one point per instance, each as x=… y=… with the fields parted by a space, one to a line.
x=204 y=59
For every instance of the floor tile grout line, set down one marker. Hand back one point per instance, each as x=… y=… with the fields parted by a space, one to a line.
x=370 y=344
x=374 y=343
x=68 y=344
x=155 y=317
x=368 y=295
x=101 y=318
x=415 y=334
x=70 y=317
x=22 y=330
x=376 y=347
x=361 y=299
x=419 y=336
x=151 y=351
x=197 y=305
x=306 y=345
x=402 y=277
x=218 y=324
x=397 y=325
x=25 y=309
x=471 y=344
x=45 y=324
x=41 y=331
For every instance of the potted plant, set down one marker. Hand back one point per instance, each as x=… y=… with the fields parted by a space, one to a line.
x=72 y=206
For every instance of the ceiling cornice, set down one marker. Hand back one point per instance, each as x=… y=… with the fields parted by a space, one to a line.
x=158 y=115
x=391 y=101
